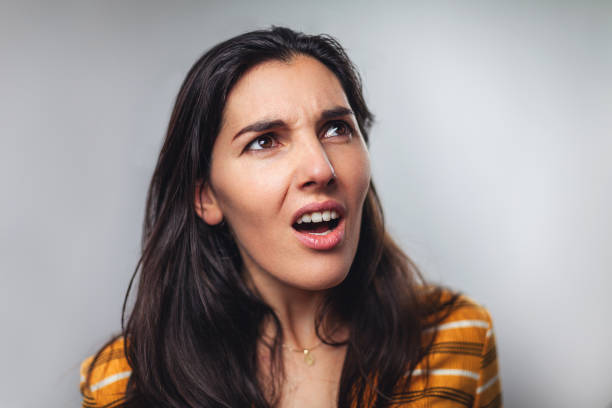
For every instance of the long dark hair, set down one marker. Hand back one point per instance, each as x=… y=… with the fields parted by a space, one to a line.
x=191 y=337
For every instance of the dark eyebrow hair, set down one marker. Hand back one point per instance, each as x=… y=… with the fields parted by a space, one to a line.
x=267 y=124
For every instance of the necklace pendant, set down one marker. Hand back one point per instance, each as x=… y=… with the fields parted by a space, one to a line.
x=308 y=358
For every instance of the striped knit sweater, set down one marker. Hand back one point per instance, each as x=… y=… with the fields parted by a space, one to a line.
x=463 y=370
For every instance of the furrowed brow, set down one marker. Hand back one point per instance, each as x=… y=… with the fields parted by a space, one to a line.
x=336 y=112
x=265 y=124
x=260 y=126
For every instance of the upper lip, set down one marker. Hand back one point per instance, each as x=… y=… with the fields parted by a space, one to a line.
x=322 y=206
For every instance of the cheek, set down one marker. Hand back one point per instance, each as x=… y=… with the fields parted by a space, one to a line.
x=249 y=197
x=355 y=170
x=365 y=175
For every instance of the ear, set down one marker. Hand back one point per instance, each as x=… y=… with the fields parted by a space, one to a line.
x=206 y=205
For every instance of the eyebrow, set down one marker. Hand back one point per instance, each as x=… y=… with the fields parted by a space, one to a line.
x=267 y=124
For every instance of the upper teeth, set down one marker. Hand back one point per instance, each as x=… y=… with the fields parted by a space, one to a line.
x=318 y=216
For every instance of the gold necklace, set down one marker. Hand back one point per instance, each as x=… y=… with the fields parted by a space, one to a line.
x=308 y=357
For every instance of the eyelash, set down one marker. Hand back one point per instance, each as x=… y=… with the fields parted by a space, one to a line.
x=349 y=129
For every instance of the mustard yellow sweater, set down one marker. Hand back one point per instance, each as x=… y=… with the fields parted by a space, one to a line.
x=463 y=370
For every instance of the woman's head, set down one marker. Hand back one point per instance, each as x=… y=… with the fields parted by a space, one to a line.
x=309 y=84
x=289 y=149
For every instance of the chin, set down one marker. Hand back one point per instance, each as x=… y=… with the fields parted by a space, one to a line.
x=320 y=280
x=322 y=272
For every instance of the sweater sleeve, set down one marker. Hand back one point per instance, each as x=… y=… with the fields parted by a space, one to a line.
x=488 y=391
x=460 y=368
x=106 y=384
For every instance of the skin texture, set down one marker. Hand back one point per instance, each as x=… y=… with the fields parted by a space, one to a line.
x=260 y=179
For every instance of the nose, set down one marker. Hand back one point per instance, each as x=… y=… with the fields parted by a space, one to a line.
x=314 y=167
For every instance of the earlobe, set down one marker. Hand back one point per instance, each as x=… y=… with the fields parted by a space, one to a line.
x=206 y=205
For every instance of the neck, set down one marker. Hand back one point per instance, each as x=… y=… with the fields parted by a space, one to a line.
x=295 y=308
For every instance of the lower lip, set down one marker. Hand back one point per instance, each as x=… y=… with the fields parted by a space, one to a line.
x=322 y=242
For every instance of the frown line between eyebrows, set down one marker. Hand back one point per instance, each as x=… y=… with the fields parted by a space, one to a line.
x=267 y=124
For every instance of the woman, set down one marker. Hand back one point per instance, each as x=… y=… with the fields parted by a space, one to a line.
x=267 y=277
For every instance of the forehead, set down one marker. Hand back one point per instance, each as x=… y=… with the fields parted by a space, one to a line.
x=287 y=90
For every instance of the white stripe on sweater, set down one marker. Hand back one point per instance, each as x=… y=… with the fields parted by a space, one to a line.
x=110 y=380
x=448 y=371
x=460 y=324
x=486 y=385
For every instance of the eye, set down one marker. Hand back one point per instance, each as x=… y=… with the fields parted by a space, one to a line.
x=338 y=128
x=262 y=142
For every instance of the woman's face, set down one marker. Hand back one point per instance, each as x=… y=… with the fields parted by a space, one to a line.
x=289 y=151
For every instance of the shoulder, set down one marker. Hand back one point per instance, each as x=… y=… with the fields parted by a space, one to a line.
x=104 y=376
x=461 y=363
x=463 y=316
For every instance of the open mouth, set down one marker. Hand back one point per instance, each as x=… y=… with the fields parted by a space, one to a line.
x=320 y=225
x=320 y=222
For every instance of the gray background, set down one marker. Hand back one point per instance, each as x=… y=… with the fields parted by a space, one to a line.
x=491 y=154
